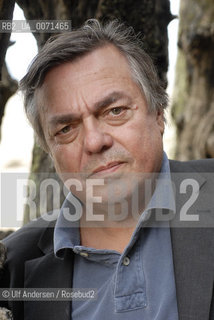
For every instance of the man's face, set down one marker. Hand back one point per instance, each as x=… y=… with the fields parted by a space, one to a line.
x=96 y=119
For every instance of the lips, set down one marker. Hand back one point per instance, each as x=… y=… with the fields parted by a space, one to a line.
x=110 y=167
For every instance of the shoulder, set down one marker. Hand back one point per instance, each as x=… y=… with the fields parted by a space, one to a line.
x=20 y=247
x=23 y=243
x=202 y=165
x=31 y=232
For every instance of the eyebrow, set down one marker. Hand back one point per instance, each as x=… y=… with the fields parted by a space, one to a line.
x=104 y=102
x=110 y=98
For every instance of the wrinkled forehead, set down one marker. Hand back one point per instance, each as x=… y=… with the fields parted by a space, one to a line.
x=102 y=68
x=104 y=59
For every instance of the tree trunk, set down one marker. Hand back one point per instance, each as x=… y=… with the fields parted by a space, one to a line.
x=6 y=13
x=150 y=17
x=193 y=101
x=8 y=86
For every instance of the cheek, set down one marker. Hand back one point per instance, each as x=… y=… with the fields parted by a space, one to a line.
x=133 y=139
x=143 y=140
x=66 y=159
x=135 y=135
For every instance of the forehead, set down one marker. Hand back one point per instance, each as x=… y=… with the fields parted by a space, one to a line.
x=89 y=77
x=104 y=60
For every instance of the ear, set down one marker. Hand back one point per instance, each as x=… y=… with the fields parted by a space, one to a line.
x=160 y=121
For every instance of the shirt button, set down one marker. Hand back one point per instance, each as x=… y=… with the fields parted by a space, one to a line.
x=84 y=254
x=126 y=261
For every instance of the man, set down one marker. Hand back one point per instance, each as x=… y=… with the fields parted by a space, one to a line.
x=95 y=102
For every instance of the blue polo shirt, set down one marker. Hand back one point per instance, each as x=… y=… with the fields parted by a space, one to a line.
x=137 y=284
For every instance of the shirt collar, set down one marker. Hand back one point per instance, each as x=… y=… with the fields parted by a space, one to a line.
x=66 y=231
x=163 y=196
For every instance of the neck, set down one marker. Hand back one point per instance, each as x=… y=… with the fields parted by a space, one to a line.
x=107 y=234
x=111 y=225
x=106 y=238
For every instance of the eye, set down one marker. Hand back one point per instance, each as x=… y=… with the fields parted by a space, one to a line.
x=64 y=130
x=117 y=115
x=116 y=110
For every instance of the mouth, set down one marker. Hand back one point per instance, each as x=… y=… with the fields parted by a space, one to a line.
x=109 y=168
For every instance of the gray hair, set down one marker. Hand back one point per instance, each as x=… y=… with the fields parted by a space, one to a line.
x=69 y=46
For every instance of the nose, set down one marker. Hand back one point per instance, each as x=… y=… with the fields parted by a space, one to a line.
x=96 y=140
